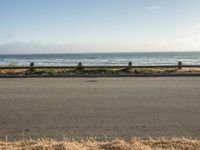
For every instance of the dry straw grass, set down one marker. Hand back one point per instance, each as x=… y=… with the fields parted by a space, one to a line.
x=134 y=144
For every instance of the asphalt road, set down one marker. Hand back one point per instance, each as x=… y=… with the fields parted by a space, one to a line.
x=104 y=108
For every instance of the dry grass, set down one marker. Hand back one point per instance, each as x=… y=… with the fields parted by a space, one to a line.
x=191 y=70
x=13 y=71
x=134 y=144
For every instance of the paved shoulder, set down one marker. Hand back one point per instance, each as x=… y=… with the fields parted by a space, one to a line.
x=99 y=107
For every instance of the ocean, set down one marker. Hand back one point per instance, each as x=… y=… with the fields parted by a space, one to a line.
x=103 y=59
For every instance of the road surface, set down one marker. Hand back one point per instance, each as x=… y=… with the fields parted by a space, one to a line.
x=104 y=108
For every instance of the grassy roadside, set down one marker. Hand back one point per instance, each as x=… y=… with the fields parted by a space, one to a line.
x=98 y=71
x=117 y=144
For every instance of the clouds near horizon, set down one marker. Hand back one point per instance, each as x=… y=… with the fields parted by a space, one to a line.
x=99 y=26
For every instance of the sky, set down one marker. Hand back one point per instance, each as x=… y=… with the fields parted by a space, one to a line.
x=70 y=26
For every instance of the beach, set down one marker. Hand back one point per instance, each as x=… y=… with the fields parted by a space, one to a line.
x=105 y=108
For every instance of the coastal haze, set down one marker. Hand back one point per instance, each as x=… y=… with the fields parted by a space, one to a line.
x=80 y=26
x=104 y=108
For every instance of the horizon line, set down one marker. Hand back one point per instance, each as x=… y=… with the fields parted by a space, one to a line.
x=183 y=51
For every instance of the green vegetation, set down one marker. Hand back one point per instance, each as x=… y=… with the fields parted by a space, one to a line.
x=154 y=70
x=98 y=71
x=44 y=72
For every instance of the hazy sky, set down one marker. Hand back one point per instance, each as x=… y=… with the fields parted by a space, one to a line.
x=54 y=26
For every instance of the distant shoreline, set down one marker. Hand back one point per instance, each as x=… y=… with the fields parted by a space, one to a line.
x=4 y=54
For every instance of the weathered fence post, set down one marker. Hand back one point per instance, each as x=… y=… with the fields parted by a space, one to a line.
x=31 y=67
x=179 y=65
x=80 y=66
x=129 y=64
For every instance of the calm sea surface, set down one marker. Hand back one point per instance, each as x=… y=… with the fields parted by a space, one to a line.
x=155 y=58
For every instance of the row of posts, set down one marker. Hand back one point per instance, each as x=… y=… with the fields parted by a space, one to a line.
x=80 y=65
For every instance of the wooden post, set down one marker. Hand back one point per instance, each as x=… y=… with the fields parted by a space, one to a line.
x=80 y=66
x=31 y=67
x=179 y=65
x=129 y=64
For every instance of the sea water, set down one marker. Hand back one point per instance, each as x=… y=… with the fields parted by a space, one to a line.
x=103 y=59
